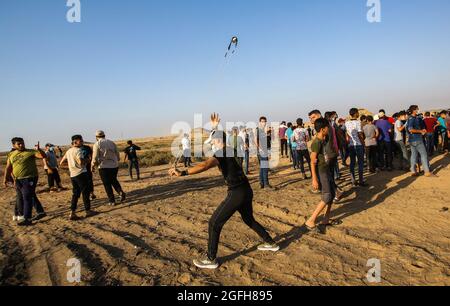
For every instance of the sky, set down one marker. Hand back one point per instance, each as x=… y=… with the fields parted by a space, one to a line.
x=135 y=67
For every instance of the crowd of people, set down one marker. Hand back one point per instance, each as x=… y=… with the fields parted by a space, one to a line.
x=357 y=141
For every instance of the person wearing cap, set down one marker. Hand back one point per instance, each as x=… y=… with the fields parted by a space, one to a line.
x=106 y=158
x=239 y=198
x=386 y=128
x=78 y=164
x=51 y=168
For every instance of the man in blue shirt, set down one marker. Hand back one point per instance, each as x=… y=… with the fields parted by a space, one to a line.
x=384 y=141
x=416 y=131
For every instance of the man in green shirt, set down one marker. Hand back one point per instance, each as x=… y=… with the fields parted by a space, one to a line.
x=322 y=163
x=21 y=166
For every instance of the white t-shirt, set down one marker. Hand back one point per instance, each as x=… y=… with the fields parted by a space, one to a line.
x=353 y=128
x=186 y=143
x=74 y=160
x=106 y=154
x=398 y=136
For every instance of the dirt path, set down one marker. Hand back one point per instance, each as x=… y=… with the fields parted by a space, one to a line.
x=152 y=239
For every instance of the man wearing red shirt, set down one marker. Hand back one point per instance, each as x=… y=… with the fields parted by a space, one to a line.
x=431 y=123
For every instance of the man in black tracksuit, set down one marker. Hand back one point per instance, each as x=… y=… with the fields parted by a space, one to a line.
x=133 y=161
x=239 y=198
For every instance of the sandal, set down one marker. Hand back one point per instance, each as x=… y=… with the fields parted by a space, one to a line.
x=333 y=222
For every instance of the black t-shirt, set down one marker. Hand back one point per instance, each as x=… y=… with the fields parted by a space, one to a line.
x=230 y=168
x=131 y=153
x=86 y=152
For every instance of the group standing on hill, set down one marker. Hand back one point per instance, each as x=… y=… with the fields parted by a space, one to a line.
x=375 y=142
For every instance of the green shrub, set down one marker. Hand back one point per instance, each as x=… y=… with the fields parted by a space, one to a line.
x=155 y=158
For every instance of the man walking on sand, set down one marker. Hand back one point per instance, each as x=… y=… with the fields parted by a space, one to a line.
x=106 y=157
x=239 y=198
x=330 y=150
x=79 y=176
x=322 y=170
x=21 y=166
x=416 y=131
x=133 y=161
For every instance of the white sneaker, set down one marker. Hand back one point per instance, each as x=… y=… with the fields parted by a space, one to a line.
x=20 y=218
x=15 y=218
x=206 y=264
x=267 y=247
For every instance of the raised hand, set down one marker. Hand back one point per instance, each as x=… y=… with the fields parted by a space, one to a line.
x=215 y=120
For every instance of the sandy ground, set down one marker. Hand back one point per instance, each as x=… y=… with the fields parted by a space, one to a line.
x=153 y=237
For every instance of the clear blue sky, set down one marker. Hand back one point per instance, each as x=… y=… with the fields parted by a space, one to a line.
x=134 y=67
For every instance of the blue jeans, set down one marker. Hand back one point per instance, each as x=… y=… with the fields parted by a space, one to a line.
x=294 y=157
x=444 y=140
x=263 y=170
x=418 y=148
x=357 y=152
x=430 y=143
x=404 y=158
x=26 y=191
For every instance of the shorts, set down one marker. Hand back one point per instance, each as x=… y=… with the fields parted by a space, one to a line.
x=328 y=186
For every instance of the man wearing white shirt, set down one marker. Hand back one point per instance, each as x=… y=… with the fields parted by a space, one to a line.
x=186 y=146
x=355 y=139
x=106 y=157
x=79 y=176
